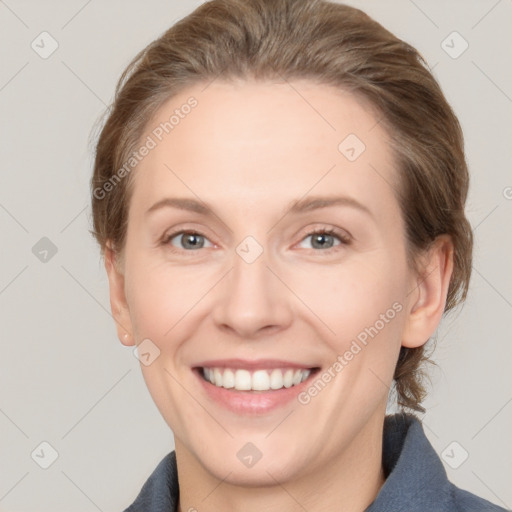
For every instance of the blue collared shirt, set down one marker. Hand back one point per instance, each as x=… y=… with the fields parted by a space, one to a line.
x=416 y=480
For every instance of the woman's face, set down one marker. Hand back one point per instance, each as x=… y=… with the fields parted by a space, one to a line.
x=253 y=296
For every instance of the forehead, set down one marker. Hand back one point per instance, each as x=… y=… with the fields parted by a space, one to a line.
x=269 y=142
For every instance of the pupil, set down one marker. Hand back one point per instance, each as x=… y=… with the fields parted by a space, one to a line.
x=321 y=238
x=192 y=240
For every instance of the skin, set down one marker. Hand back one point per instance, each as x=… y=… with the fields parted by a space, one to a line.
x=249 y=149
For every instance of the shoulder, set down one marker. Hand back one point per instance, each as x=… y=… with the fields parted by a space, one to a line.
x=416 y=480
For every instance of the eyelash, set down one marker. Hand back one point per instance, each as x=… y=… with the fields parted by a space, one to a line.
x=343 y=239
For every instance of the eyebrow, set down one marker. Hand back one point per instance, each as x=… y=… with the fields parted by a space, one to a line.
x=296 y=206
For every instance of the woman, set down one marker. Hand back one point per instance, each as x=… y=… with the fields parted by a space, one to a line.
x=279 y=196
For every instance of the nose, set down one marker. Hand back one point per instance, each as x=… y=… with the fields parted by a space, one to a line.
x=253 y=301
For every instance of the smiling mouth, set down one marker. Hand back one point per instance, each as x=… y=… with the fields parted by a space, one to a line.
x=237 y=379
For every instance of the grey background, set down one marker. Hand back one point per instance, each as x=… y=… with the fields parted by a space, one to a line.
x=66 y=379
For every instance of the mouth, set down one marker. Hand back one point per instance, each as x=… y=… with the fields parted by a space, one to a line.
x=247 y=387
x=254 y=380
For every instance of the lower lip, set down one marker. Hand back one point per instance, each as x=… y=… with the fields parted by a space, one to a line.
x=252 y=402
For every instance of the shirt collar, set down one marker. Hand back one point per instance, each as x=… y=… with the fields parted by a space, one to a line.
x=415 y=476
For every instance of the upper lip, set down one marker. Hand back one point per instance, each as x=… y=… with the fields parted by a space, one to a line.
x=246 y=364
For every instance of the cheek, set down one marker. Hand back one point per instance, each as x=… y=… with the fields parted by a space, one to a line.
x=348 y=298
x=361 y=307
x=159 y=310
x=161 y=300
x=161 y=295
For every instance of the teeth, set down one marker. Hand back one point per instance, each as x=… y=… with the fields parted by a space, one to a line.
x=276 y=379
x=259 y=380
x=288 y=379
x=297 y=377
x=242 y=380
x=228 y=379
x=217 y=377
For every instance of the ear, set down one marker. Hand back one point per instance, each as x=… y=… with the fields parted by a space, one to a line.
x=118 y=304
x=428 y=297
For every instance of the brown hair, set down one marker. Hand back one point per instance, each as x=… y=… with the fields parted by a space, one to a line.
x=331 y=44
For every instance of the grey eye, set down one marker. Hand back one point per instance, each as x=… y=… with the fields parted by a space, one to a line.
x=188 y=240
x=322 y=240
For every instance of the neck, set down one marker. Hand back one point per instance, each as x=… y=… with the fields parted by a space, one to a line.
x=349 y=480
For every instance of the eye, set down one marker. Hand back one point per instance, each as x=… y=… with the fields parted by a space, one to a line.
x=186 y=240
x=325 y=239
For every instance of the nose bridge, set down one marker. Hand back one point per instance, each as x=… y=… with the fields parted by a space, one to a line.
x=250 y=275
x=253 y=297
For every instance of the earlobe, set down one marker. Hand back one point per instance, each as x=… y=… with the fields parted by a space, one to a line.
x=118 y=303
x=127 y=339
x=428 y=297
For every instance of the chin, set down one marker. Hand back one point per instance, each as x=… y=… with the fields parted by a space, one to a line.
x=249 y=467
